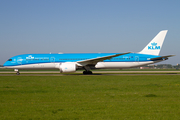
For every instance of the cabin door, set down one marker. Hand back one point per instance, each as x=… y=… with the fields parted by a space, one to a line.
x=52 y=59
x=137 y=59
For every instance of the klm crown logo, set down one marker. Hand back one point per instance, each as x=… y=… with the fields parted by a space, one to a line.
x=154 y=46
x=30 y=57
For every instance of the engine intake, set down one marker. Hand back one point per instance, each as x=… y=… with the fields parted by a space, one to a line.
x=67 y=67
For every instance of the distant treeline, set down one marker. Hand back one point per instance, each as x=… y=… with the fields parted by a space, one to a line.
x=164 y=66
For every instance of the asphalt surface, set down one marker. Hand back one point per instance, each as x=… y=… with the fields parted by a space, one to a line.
x=57 y=73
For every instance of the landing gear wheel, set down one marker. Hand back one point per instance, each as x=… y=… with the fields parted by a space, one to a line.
x=18 y=73
x=87 y=72
x=90 y=72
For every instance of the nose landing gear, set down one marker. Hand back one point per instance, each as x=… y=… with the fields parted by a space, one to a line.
x=17 y=71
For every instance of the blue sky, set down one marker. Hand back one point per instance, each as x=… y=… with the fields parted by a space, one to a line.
x=80 y=26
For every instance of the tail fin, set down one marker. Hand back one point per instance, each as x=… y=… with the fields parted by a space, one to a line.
x=154 y=47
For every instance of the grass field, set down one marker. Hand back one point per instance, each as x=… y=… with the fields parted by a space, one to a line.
x=78 y=97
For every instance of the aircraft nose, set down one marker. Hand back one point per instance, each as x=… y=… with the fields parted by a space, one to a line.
x=5 y=64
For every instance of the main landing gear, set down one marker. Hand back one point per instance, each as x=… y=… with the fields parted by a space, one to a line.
x=87 y=72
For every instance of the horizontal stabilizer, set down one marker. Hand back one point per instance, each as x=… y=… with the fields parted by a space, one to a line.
x=162 y=57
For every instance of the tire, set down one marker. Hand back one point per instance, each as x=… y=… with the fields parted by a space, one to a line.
x=87 y=72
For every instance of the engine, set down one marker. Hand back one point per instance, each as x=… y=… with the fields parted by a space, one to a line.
x=67 y=67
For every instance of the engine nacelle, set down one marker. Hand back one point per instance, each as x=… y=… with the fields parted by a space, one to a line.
x=67 y=67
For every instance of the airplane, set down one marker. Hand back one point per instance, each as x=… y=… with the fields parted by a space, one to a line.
x=70 y=62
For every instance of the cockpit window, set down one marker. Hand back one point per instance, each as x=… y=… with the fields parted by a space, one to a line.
x=10 y=60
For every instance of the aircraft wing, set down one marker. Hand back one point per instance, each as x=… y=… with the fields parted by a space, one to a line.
x=94 y=61
x=162 y=57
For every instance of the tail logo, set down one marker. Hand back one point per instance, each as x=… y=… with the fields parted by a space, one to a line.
x=154 y=46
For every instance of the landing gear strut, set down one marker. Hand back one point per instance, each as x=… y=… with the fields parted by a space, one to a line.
x=87 y=72
x=17 y=71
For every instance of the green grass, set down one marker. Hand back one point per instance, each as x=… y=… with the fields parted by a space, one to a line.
x=79 y=97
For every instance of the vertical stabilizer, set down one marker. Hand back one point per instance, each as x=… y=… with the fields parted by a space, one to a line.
x=154 y=47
